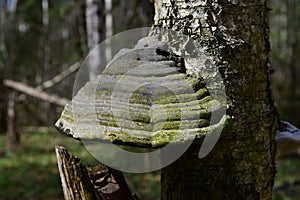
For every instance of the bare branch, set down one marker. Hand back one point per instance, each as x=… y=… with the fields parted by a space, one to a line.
x=51 y=98
x=60 y=77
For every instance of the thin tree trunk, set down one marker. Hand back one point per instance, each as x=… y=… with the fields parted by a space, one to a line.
x=12 y=38
x=3 y=13
x=292 y=40
x=93 y=28
x=12 y=135
x=13 y=141
x=3 y=70
x=46 y=47
x=109 y=29
x=46 y=55
x=241 y=165
x=81 y=44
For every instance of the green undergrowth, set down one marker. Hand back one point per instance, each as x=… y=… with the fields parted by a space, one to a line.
x=32 y=172
x=287 y=180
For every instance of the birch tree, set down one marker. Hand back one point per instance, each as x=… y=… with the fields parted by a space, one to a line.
x=46 y=47
x=241 y=166
x=12 y=135
x=94 y=23
x=109 y=29
x=3 y=50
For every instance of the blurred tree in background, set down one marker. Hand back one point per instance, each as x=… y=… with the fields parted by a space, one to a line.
x=37 y=42
x=39 y=39
x=285 y=59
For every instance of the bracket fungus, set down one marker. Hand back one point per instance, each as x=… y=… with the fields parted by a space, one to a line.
x=287 y=139
x=143 y=98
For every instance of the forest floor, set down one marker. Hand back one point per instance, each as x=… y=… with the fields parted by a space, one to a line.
x=287 y=180
x=32 y=173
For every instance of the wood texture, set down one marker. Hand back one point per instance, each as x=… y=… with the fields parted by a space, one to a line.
x=241 y=165
x=94 y=182
x=74 y=177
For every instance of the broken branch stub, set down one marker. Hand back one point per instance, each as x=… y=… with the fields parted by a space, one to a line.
x=89 y=183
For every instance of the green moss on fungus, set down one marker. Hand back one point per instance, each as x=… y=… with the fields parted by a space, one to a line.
x=149 y=102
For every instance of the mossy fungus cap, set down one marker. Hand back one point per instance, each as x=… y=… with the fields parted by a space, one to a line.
x=144 y=98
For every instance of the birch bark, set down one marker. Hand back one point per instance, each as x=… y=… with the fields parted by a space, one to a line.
x=241 y=166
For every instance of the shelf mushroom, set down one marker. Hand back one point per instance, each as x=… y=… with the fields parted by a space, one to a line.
x=287 y=139
x=145 y=98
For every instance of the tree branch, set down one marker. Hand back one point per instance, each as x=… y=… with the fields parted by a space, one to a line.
x=60 y=77
x=51 y=98
x=94 y=182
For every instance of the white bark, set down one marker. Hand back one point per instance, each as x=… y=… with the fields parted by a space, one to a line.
x=45 y=6
x=109 y=29
x=46 y=47
x=93 y=36
x=13 y=7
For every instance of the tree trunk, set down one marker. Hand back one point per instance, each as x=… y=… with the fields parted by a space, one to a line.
x=3 y=13
x=3 y=70
x=292 y=40
x=241 y=165
x=94 y=23
x=13 y=141
x=12 y=135
x=46 y=47
x=109 y=29
x=46 y=54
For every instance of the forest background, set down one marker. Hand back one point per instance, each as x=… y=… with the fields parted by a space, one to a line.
x=41 y=39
